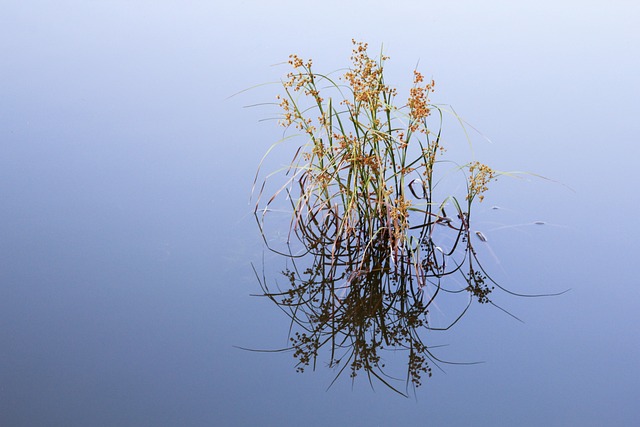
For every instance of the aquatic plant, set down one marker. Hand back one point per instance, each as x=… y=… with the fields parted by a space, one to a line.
x=370 y=246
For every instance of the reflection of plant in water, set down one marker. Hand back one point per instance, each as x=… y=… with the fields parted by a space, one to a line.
x=366 y=232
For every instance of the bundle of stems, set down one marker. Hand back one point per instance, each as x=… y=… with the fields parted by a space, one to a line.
x=365 y=225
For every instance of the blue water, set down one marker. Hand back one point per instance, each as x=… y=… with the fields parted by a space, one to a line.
x=126 y=238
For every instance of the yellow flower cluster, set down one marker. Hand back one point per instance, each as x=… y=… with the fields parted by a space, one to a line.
x=287 y=118
x=296 y=62
x=365 y=79
x=292 y=115
x=419 y=102
x=479 y=176
x=300 y=78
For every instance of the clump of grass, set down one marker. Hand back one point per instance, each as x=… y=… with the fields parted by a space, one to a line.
x=367 y=231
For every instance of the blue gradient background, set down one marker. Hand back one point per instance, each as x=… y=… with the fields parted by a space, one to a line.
x=126 y=233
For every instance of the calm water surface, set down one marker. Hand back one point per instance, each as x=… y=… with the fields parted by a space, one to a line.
x=127 y=235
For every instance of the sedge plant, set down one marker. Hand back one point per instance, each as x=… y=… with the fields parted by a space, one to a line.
x=365 y=246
